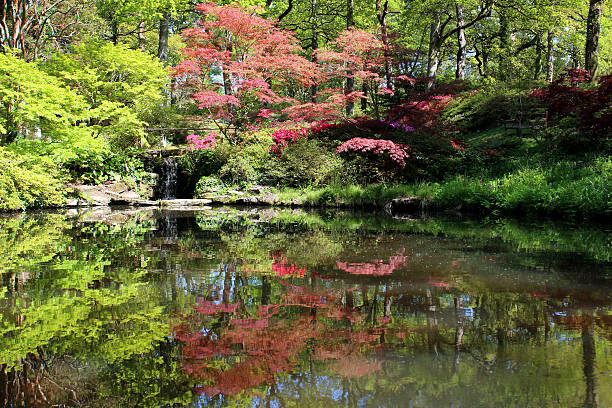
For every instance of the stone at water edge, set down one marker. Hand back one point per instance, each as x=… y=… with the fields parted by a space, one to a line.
x=256 y=189
x=270 y=198
x=196 y=202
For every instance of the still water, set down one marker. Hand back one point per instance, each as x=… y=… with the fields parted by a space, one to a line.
x=271 y=308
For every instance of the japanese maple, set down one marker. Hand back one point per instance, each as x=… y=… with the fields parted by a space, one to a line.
x=234 y=56
x=355 y=54
x=567 y=96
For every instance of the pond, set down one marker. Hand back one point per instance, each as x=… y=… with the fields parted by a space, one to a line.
x=284 y=308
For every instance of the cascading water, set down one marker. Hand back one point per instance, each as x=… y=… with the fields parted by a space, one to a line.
x=170 y=176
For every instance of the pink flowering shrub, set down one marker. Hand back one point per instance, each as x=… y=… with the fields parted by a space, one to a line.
x=396 y=152
x=283 y=138
x=195 y=142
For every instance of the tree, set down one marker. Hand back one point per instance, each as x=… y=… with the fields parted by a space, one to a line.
x=120 y=86
x=355 y=54
x=27 y=25
x=30 y=98
x=256 y=61
x=592 y=36
x=441 y=15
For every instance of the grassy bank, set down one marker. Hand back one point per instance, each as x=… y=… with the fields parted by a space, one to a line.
x=568 y=189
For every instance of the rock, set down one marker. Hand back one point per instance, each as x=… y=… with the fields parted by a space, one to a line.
x=221 y=199
x=115 y=187
x=269 y=198
x=247 y=200
x=146 y=191
x=184 y=203
x=123 y=200
x=97 y=198
x=209 y=196
x=72 y=202
x=405 y=205
x=255 y=189
x=235 y=192
x=297 y=202
x=269 y=214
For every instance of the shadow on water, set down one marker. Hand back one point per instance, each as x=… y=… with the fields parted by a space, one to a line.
x=240 y=307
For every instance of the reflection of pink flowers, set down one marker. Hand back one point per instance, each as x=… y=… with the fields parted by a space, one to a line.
x=376 y=267
x=283 y=268
x=354 y=367
x=250 y=323
x=439 y=284
x=208 y=308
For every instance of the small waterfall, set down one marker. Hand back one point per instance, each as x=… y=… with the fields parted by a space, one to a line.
x=170 y=175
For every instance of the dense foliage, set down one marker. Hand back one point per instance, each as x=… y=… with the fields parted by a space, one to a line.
x=292 y=96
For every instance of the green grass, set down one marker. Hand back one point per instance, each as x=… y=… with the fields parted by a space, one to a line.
x=565 y=188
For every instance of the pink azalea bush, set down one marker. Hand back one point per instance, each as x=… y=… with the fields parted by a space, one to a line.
x=286 y=137
x=396 y=151
x=195 y=142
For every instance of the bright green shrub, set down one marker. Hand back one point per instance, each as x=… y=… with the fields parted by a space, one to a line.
x=30 y=98
x=29 y=181
x=122 y=87
x=208 y=183
x=238 y=169
x=87 y=160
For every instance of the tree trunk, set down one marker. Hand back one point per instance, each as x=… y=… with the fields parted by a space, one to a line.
x=350 y=80
x=550 y=57
x=314 y=45
x=537 y=65
x=433 y=53
x=592 y=37
x=591 y=399
x=504 y=42
x=164 y=31
x=141 y=36
x=364 y=98
x=114 y=31
x=381 y=14
x=462 y=44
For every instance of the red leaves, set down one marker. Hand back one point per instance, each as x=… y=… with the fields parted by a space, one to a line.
x=209 y=99
x=396 y=152
x=286 y=137
x=252 y=53
x=592 y=107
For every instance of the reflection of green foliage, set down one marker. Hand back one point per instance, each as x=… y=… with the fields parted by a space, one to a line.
x=26 y=241
x=78 y=304
x=112 y=296
x=545 y=237
x=153 y=380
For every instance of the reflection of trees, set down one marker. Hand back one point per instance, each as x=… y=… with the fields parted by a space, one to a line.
x=259 y=343
x=450 y=325
x=89 y=302
x=252 y=339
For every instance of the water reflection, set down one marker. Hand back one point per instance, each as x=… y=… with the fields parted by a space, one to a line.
x=282 y=308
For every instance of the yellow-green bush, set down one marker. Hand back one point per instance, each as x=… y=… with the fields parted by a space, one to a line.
x=28 y=181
